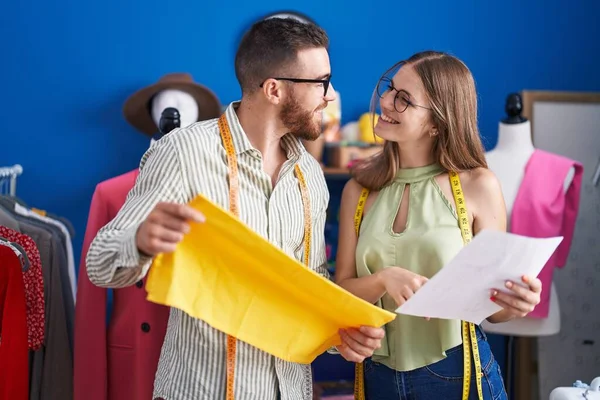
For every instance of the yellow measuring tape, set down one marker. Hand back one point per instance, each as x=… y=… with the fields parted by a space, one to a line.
x=234 y=209
x=468 y=329
x=359 y=370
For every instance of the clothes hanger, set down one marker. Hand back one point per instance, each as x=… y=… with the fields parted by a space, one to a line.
x=19 y=252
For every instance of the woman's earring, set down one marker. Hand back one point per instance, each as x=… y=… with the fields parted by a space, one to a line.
x=433 y=133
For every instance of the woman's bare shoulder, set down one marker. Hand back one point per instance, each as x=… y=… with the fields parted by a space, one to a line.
x=351 y=194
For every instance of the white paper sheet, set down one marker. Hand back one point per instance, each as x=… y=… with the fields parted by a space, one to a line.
x=462 y=289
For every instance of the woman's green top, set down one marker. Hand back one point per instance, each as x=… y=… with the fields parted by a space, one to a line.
x=430 y=240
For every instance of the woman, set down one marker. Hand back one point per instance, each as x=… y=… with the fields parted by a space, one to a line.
x=410 y=229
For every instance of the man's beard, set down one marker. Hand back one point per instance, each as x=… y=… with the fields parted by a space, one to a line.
x=299 y=121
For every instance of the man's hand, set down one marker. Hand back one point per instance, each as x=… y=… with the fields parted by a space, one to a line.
x=358 y=344
x=165 y=227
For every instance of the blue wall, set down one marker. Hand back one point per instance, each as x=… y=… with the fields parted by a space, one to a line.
x=67 y=67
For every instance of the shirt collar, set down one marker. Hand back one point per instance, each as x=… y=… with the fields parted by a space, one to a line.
x=291 y=144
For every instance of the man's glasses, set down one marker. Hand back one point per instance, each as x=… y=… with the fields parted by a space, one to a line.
x=401 y=101
x=325 y=82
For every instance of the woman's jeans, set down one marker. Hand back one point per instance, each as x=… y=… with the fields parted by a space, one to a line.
x=441 y=380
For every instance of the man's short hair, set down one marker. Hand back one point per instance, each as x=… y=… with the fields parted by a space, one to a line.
x=270 y=48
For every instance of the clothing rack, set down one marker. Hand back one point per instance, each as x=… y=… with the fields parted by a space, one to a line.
x=42 y=303
x=8 y=179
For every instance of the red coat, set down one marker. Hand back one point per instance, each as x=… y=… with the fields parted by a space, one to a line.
x=14 y=375
x=118 y=363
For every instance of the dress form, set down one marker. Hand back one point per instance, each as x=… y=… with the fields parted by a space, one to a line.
x=508 y=161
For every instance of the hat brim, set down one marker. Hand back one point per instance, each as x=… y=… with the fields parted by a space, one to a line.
x=137 y=112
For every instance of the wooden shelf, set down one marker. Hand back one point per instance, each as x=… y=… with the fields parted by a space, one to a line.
x=329 y=171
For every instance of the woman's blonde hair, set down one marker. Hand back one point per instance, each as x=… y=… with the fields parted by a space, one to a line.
x=450 y=88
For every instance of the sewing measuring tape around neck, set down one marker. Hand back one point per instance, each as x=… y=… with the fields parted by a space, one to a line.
x=235 y=210
x=468 y=329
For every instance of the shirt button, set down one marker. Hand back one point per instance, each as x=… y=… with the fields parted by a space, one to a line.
x=146 y=327
x=139 y=284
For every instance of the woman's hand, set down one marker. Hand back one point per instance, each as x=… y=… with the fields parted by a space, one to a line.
x=522 y=299
x=401 y=283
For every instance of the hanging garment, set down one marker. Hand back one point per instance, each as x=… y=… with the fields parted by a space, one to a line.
x=543 y=209
x=67 y=242
x=7 y=220
x=59 y=246
x=34 y=287
x=118 y=362
x=51 y=366
x=13 y=328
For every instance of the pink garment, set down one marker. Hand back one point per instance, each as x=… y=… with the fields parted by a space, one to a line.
x=118 y=362
x=542 y=209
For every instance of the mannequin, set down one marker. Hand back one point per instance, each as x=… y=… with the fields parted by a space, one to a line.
x=119 y=361
x=542 y=211
x=508 y=161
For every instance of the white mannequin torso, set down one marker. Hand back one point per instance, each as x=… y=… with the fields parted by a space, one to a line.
x=508 y=161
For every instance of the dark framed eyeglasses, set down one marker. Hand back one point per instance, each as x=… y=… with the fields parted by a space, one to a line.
x=325 y=82
x=401 y=101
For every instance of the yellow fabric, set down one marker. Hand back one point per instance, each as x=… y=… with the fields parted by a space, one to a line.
x=229 y=276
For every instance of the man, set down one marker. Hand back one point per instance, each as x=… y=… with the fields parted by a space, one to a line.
x=283 y=69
